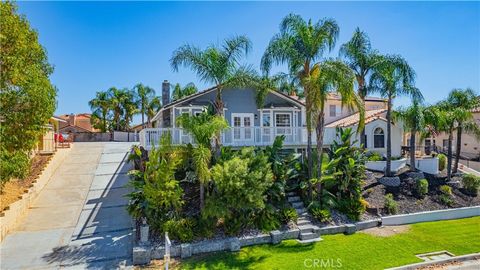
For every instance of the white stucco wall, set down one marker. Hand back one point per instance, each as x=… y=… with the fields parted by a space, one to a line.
x=397 y=133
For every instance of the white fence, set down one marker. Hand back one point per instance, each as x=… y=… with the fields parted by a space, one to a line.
x=238 y=136
x=120 y=136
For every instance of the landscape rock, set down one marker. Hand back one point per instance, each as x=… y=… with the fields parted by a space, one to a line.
x=393 y=181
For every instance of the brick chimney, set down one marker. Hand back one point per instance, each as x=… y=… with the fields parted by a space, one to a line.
x=165 y=92
x=71 y=119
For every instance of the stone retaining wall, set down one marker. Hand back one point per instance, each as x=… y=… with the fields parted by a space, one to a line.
x=445 y=214
x=143 y=254
x=12 y=216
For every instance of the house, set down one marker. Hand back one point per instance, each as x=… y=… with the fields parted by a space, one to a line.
x=77 y=123
x=439 y=142
x=281 y=115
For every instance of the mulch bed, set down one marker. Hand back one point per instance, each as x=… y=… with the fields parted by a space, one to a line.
x=407 y=202
x=15 y=188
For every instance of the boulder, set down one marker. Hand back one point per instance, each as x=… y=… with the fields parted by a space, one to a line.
x=393 y=181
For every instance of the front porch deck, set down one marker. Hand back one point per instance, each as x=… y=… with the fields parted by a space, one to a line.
x=239 y=136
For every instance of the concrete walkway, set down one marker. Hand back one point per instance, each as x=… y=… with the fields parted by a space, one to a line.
x=79 y=219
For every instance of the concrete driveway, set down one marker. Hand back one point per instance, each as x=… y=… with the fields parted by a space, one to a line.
x=79 y=219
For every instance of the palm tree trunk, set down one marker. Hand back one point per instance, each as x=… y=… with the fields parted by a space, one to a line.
x=412 y=150
x=458 y=148
x=309 y=154
x=362 y=134
x=219 y=112
x=388 y=171
x=320 y=128
x=449 y=156
x=202 y=196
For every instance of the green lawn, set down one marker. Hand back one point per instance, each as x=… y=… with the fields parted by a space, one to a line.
x=358 y=251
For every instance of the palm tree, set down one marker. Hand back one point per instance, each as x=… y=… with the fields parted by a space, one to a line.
x=299 y=44
x=130 y=108
x=326 y=77
x=179 y=92
x=413 y=121
x=203 y=128
x=218 y=65
x=392 y=77
x=116 y=97
x=152 y=108
x=145 y=94
x=467 y=100
x=100 y=107
x=361 y=58
x=441 y=117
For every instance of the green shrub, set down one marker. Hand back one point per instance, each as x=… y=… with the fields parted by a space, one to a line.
x=442 y=162
x=240 y=186
x=180 y=229
x=205 y=227
x=422 y=187
x=446 y=196
x=289 y=214
x=471 y=183
x=267 y=219
x=322 y=215
x=13 y=165
x=353 y=208
x=374 y=156
x=390 y=204
x=447 y=190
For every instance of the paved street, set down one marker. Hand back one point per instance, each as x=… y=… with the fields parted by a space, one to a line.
x=79 y=219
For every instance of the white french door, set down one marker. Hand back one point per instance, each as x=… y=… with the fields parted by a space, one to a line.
x=242 y=126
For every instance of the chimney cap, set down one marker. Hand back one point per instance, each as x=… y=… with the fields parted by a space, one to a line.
x=165 y=81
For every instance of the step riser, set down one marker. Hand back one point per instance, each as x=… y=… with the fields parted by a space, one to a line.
x=297 y=205
x=293 y=199
x=308 y=236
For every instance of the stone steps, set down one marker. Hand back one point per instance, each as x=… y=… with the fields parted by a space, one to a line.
x=308 y=236
x=308 y=231
x=293 y=199
x=297 y=204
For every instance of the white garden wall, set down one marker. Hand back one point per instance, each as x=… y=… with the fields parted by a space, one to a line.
x=426 y=164
x=381 y=165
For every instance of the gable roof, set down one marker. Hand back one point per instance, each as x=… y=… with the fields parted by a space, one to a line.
x=353 y=119
x=211 y=89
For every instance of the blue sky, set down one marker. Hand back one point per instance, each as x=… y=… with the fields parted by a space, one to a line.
x=96 y=45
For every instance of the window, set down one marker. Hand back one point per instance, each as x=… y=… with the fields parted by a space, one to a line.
x=282 y=120
x=366 y=145
x=333 y=110
x=378 y=138
x=266 y=120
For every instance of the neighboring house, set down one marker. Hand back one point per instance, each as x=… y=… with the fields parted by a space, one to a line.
x=280 y=115
x=77 y=123
x=470 y=144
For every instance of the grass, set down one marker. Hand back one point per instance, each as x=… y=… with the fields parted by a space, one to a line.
x=358 y=251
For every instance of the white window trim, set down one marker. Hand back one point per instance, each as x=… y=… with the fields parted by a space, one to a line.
x=283 y=113
x=384 y=138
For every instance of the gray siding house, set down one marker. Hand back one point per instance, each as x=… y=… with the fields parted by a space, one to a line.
x=250 y=125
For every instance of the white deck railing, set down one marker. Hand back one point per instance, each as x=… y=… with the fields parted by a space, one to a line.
x=238 y=136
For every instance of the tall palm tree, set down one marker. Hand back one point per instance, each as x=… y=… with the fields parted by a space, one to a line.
x=218 y=65
x=179 y=92
x=203 y=128
x=100 y=107
x=299 y=45
x=116 y=97
x=361 y=58
x=130 y=107
x=442 y=117
x=327 y=77
x=145 y=94
x=393 y=77
x=413 y=122
x=466 y=100
x=152 y=108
